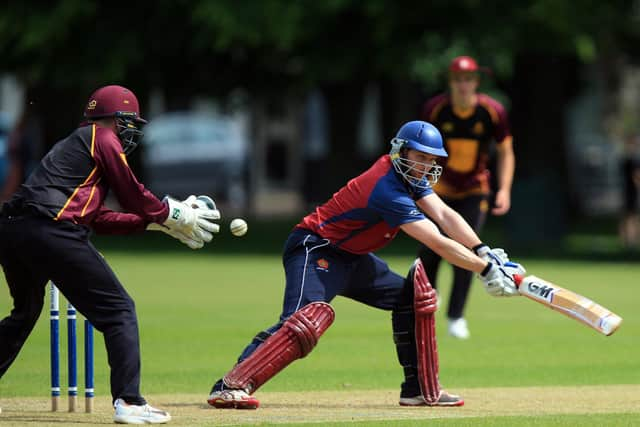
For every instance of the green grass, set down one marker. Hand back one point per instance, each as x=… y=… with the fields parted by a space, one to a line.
x=197 y=311
x=609 y=420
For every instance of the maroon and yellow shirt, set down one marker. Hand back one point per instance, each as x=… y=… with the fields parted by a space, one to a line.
x=468 y=136
x=72 y=181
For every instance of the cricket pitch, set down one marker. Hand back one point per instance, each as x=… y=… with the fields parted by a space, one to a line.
x=342 y=406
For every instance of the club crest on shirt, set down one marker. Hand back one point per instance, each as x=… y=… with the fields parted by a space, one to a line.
x=322 y=264
x=478 y=128
x=447 y=127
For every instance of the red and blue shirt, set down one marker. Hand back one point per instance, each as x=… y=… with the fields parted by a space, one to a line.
x=366 y=214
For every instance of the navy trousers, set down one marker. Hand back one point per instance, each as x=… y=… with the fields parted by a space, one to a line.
x=317 y=271
x=34 y=250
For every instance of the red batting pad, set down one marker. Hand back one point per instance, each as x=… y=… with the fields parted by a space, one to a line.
x=426 y=345
x=294 y=340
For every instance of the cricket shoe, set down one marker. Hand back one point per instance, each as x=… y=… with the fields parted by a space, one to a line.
x=232 y=398
x=445 y=399
x=138 y=414
x=458 y=328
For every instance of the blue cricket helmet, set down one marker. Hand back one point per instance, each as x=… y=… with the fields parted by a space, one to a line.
x=422 y=136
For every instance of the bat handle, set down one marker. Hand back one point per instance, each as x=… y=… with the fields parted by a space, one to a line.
x=518 y=279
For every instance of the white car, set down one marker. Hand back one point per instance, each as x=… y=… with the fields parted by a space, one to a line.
x=195 y=153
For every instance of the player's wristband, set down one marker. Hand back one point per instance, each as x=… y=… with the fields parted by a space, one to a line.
x=486 y=270
x=477 y=248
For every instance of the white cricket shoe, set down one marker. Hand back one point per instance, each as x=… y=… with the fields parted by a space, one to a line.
x=458 y=328
x=138 y=414
x=445 y=399
x=232 y=398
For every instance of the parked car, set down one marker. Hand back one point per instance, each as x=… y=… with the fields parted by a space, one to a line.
x=195 y=153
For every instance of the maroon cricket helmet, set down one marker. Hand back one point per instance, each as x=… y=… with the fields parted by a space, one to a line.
x=113 y=101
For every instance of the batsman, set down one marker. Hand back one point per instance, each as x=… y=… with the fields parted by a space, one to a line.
x=330 y=253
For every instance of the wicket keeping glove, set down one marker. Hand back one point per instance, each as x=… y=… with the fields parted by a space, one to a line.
x=188 y=220
x=201 y=202
x=207 y=203
x=190 y=240
x=498 y=280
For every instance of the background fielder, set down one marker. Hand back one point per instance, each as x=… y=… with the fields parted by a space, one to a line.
x=470 y=122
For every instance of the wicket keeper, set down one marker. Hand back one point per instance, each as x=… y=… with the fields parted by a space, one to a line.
x=45 y=229
x=470 y=123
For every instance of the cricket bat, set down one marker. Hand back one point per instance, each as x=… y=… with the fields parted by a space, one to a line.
x=568 y=303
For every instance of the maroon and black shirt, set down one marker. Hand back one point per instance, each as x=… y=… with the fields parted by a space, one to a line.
x=468 y=136
x=73 y=180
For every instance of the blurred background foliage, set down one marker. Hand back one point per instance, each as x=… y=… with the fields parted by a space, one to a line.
x=224 y=44
x=542 y=54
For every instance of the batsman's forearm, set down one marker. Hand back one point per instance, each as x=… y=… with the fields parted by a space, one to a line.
x=448 y=220
x=428 y=234
x=458 y=255
x=459 y=230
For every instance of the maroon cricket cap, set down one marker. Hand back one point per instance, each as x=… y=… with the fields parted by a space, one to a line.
x=466 y=64
x=463 y=64
x=113 y=100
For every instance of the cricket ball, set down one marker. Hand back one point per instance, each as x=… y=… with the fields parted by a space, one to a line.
x=238 y=227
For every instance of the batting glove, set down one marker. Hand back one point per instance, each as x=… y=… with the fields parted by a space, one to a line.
x=498 y=256
x=498 y=280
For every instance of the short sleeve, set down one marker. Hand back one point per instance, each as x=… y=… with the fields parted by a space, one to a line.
x=395 y=207
x=422 y=193
x=499 y=117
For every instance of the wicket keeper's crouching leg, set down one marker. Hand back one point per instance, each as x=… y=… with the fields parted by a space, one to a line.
x=34 y=249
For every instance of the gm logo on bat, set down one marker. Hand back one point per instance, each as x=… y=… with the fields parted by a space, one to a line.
x=543 y=291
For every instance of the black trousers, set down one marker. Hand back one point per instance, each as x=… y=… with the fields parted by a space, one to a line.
x=474 y=210
x=34 y=250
